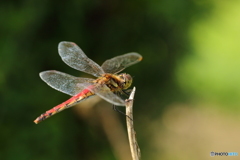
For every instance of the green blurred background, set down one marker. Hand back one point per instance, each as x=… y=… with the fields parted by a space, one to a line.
x=187 y=99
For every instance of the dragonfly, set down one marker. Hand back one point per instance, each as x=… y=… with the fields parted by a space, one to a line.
x=108 y=84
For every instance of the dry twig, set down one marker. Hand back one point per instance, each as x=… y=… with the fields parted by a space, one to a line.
x=135 y=150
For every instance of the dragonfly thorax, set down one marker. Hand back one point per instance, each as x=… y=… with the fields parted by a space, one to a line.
x=115 y=82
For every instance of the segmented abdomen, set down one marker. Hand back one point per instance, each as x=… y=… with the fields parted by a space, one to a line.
x=69 y=103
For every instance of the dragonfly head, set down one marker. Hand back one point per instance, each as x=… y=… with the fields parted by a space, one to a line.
x=126 y=80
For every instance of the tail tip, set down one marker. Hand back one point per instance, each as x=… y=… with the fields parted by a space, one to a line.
x=36 y=121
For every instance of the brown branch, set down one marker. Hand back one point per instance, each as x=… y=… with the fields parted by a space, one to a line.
x=135 y=150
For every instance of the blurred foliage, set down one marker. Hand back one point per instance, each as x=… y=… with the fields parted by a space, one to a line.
x=214 y=68
x=30 y=32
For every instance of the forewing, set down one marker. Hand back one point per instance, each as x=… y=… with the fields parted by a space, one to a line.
x=119 y=63
x=105 y=93
x=64 y=82
x=73 y=56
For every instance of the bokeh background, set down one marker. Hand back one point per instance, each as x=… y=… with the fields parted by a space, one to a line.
x=188 y=84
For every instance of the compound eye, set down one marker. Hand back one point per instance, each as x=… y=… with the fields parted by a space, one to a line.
x=122 y=77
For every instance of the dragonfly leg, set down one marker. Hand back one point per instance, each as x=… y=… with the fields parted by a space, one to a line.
x=116 y=109
x=127 y=92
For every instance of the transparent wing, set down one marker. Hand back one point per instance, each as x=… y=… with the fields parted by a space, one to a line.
x=73 y=56
x=105 y=93
x=119 y=63
x=64 y=82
